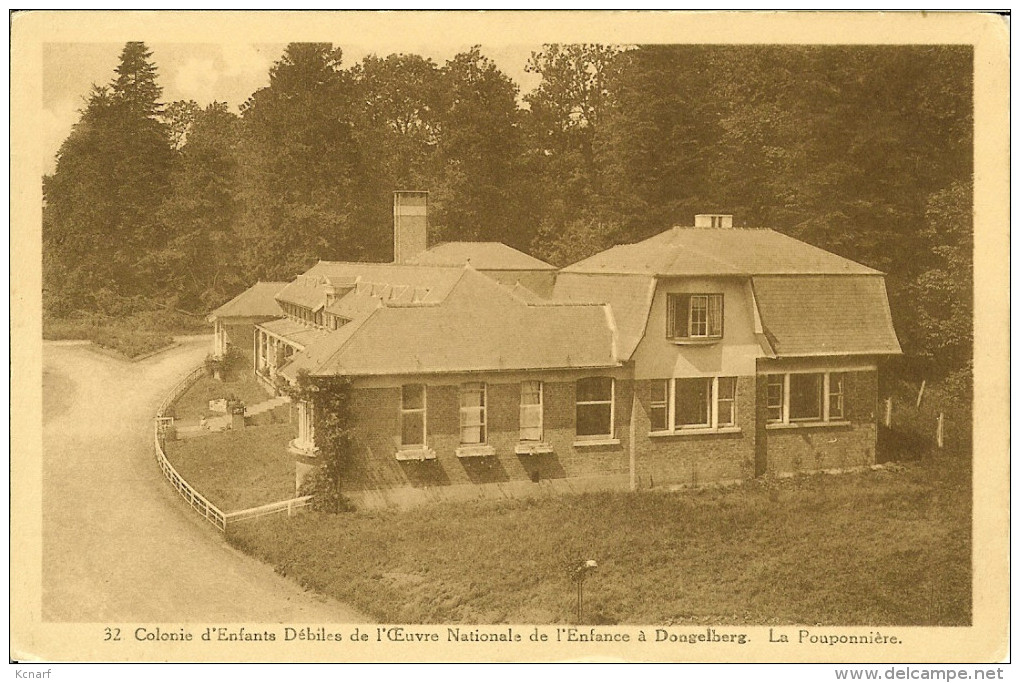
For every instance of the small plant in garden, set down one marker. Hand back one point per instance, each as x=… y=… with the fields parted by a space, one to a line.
x=334 y=437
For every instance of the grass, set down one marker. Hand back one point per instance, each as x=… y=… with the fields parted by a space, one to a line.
x=116 y=335
x=194 y=403
x=237 y=470
x=885 y=547
x=132 y=335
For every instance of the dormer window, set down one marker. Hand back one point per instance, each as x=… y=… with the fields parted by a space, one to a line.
x=694 y=317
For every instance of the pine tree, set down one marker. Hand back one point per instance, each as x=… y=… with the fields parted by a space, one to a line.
x=111 y=175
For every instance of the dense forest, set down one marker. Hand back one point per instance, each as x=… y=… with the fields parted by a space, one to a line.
x=864 y=151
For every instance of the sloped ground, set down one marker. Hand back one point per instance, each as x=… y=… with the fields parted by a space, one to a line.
x=877 y=548
x=118 y=544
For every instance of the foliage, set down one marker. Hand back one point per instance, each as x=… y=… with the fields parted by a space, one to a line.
x=114 y=334
x=862 y=150
x=334 y=437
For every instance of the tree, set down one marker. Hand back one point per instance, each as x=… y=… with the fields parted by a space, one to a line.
x=199 y=264
x=478 y=193
x=179 y=117
x=301 y=166
x=565 y=120
x=100 y=202
x=942 y=295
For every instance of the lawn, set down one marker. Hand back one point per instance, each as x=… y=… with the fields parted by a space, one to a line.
x=239 y=469
x=194 y=403
x=882 y=547
x=132 y=335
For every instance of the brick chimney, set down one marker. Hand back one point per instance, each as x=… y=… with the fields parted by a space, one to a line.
x=410 y=224
x=713 y=220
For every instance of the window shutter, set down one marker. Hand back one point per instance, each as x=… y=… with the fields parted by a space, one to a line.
x=678 y=316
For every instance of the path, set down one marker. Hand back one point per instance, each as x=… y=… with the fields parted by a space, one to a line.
x=118 y=543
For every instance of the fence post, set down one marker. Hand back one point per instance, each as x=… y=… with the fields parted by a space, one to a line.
x=920 y=394
x=939 y=434
x=888 y=412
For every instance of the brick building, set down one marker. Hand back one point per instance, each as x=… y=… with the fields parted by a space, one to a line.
x=702 y=354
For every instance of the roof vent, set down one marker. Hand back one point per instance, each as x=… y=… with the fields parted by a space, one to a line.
x=713 y=220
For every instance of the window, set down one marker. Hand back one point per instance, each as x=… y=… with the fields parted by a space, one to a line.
x=472 y=413
x=775 y=401
x=595 y=407
x=694 y=316
x=531 y=411
x=693 y=403
x=659 y=405
x=836 y=396
x=726 y=402
x=412 y=415
x=806 y=397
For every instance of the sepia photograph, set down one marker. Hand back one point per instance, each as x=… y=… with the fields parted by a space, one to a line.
x=509 y=336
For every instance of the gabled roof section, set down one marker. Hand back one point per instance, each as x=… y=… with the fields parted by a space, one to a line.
x=480 y=326
x=258 y=301
x=481 y=256
x=719 y=251
x=822 y=315
x=629 y=295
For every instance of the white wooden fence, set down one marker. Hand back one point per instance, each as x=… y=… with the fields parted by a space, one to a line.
x=196 y=500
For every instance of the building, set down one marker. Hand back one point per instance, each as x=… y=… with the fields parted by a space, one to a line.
x=703 y=354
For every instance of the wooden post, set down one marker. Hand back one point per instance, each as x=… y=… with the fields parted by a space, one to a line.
x=939 y=434
x=888 y=412
x=632 y=438
x=920 y=394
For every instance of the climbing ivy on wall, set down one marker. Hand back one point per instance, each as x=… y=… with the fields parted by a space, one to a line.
x=334 y=436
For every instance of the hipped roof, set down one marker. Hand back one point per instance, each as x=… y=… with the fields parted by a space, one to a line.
x=258 y=301
x=481 y=256
x=718 y=251
x=480 y=326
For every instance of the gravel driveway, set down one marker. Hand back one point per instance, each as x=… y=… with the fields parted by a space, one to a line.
x=118 y=543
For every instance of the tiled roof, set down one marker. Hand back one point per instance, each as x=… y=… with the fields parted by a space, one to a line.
x=821 y=315
x=426 y=283
x=629 y=295
x=719 y=251
x=300 y=334
x=482 y=256
x=257 y=301
x=479 y=326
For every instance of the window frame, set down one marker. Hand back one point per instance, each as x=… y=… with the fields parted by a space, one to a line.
x=713 y=399
x=480 y=410
x=408 y=411
x=540 y=411
x=612 y=409
x=819 y=396
x=826 y=395
x=839 y=393
x=707 y=391
x=662 y=404
x=680 y=306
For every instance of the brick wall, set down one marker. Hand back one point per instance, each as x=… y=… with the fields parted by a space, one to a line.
x=690 y=459
x=831 y=447
x=377 y=424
